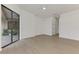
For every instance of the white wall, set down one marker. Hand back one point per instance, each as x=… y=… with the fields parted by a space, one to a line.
x=49 y=26
x=39 y=26
x=30 y=25
x=27 y=22
x=69 y=25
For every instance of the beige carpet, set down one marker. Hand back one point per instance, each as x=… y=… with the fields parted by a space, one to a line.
x=43 y=44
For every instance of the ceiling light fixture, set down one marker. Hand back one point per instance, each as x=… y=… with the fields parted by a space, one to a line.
x=44 y=8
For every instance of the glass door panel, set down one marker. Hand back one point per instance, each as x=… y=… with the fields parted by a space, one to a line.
x=15 y=29
x=6 y=35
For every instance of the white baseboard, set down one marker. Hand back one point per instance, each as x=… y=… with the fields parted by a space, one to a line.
x=68 y=38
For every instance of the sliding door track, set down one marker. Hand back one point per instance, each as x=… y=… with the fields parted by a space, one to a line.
x=9 y=44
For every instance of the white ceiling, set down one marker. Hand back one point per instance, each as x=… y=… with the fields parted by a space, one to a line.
x=51 y=9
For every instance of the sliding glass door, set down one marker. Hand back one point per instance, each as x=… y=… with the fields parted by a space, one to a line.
x=15 y=26
x=6 y=35
x=10 y=26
